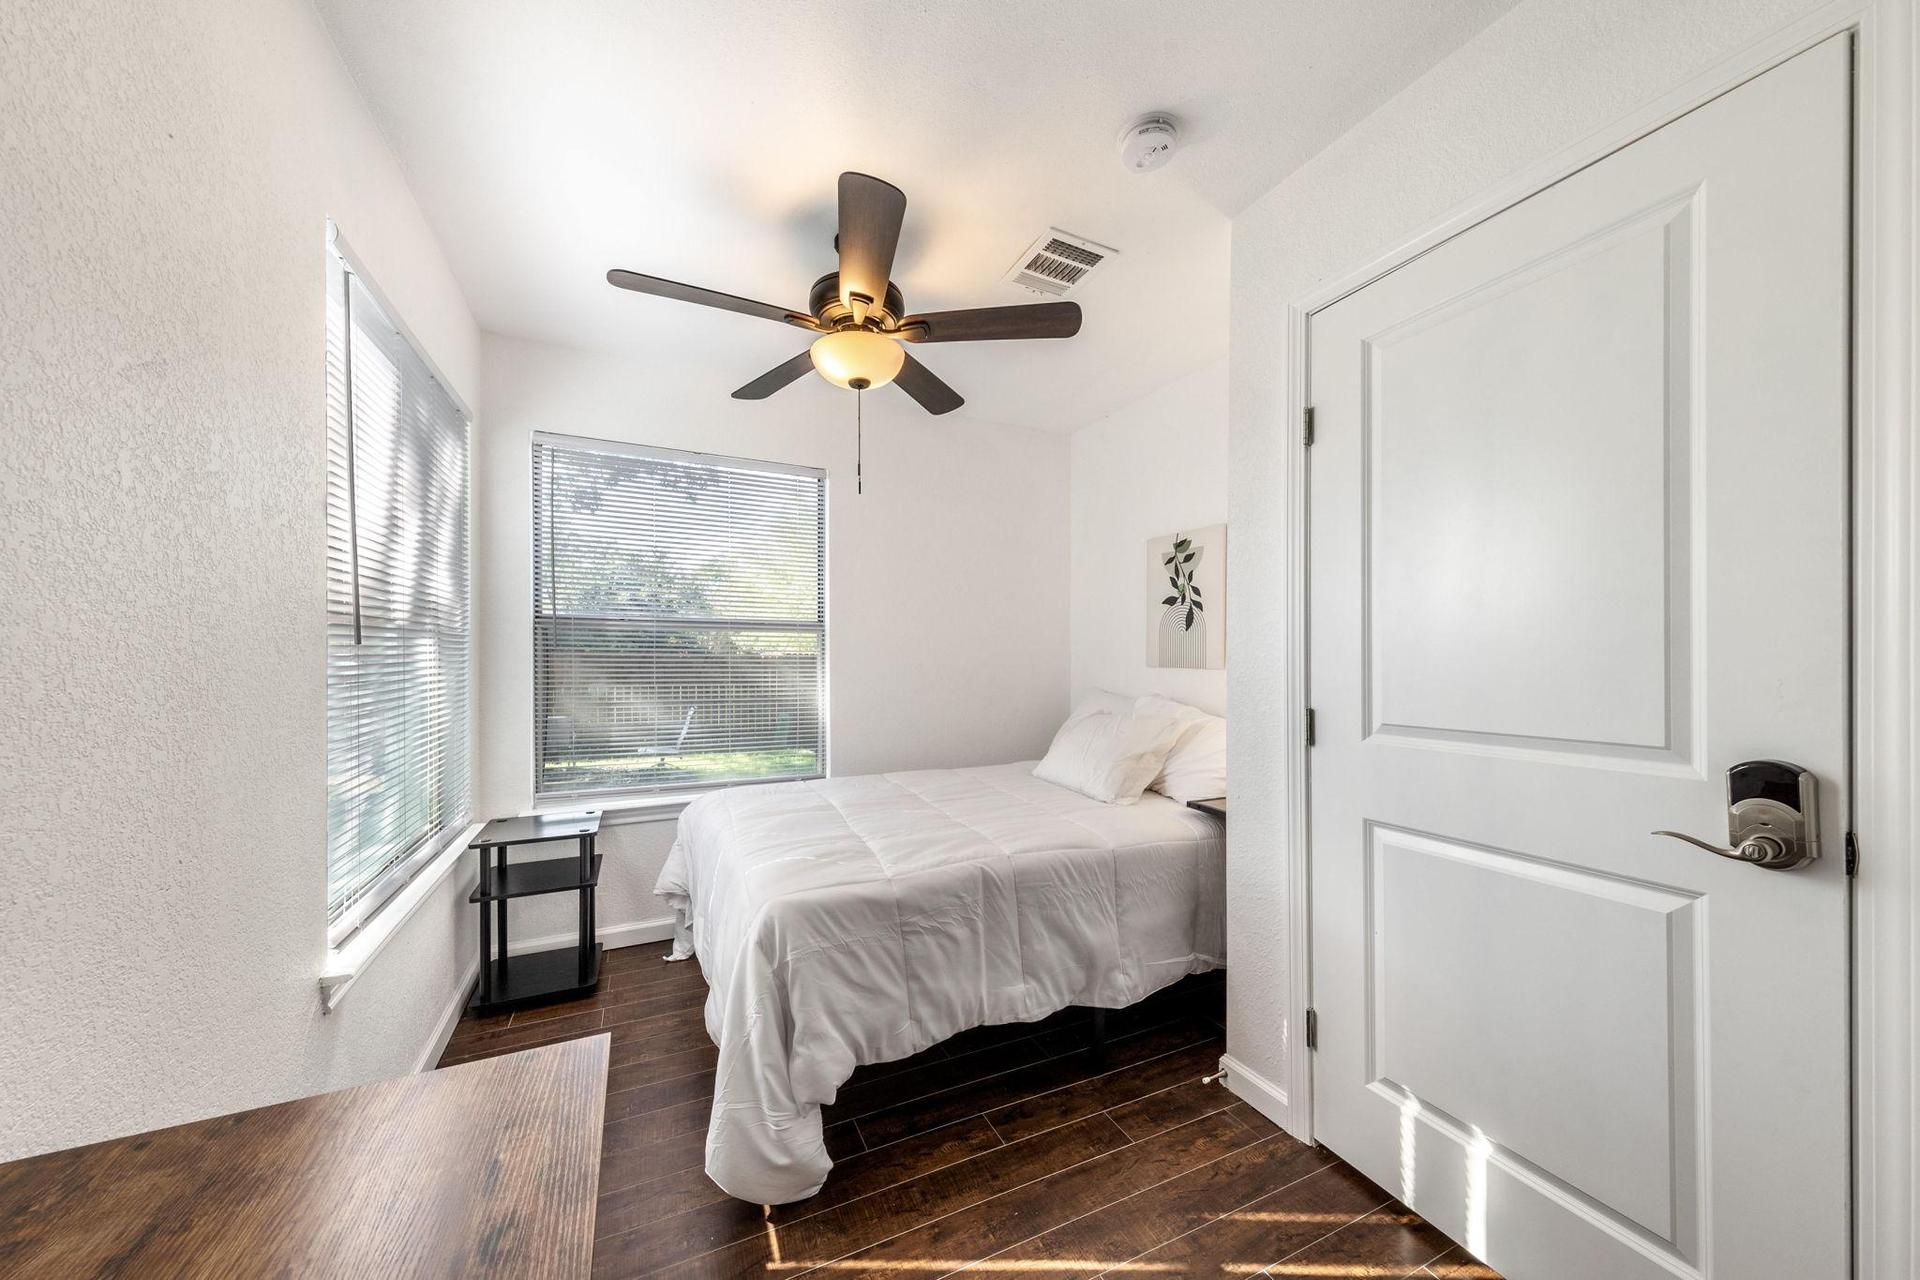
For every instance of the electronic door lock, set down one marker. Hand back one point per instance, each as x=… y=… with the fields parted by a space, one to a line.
x=1773 y=816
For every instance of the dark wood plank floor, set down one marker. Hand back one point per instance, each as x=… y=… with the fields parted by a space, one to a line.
x=1006 y=1150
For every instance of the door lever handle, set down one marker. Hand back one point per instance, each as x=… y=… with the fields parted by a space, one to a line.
x=1773 y=816
x=1763 y=851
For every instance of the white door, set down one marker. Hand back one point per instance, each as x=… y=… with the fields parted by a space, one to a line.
x=1578 y=543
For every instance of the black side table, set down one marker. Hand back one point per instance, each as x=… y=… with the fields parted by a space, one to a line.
x=540 y=976
x=1216 y=806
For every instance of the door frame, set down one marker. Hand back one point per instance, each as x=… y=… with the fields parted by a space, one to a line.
x=1886 y=598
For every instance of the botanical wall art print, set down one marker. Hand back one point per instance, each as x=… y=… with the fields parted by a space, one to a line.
x=1187 y=598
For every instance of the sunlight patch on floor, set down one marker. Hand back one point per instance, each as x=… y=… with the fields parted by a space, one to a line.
x=1343 y=1270
x=942 y=1266
x=1339 y=1219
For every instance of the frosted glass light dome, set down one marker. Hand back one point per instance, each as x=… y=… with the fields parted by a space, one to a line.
x=857 y=358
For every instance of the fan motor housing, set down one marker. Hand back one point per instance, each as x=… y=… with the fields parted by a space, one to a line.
x=824 y=302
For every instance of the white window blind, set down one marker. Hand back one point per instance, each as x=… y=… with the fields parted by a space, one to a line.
x=398 y=654
x=679 y=619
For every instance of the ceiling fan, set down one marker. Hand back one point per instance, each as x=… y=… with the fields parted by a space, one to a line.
x=860 y=315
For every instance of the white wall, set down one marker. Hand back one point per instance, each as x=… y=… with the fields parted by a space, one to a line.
x=1156 y=465
x=1546 y=76
x=169 y=169
x=946 y=580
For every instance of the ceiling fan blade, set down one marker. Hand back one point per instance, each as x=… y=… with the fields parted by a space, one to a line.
x=870 y=216
x=777 y=377
x=981 y=324
x=706 y=297
x=933 y=395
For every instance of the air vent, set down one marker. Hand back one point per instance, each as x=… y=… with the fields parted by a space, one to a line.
x=1057 y=263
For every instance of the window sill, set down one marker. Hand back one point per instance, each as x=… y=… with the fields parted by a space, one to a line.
x=618 y=812
x=345 y=963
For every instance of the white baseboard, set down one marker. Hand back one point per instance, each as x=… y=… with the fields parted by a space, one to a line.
x=1258 y=1092
x=613 y=937
x=449 y=1018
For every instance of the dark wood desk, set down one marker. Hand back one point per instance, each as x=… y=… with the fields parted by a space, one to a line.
x=487 y=1169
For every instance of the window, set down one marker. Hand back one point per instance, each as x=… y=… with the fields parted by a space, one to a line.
x=398 y=655
x=679 y=619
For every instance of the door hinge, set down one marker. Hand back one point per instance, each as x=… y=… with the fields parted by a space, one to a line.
x=1853 y=853
x=1309 y=726
x=1306 y=426
x=1313 y=1030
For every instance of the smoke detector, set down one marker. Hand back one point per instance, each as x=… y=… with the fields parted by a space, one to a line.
x=1148 y=142
x=1057 y=263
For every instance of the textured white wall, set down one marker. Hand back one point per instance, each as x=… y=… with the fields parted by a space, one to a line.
x=169 y=168
x=1156 y=465
x=1547 y=75
x=946 y=580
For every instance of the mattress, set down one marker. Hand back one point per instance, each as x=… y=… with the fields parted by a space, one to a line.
x=856 y=920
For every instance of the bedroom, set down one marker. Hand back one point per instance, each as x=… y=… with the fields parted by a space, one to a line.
x=313 y=338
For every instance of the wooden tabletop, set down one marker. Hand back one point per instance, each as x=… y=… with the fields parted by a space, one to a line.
x=487 y=1169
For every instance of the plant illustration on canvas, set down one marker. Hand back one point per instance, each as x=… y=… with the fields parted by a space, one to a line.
x=1186 y=592
x=1186 y=582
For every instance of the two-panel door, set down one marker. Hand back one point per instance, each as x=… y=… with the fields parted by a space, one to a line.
x=1578 y=544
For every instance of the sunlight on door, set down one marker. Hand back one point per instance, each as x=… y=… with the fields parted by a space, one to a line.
x=1409 y=1148
x=1477 y=1152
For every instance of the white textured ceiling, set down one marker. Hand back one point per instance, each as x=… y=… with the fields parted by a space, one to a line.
x=700 y=140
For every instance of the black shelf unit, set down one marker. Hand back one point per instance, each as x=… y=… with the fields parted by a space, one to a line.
x=526 y=879
x=539 y=977
x=1216 y=806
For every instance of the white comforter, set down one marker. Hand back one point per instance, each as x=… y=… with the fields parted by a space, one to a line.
x=859 y=920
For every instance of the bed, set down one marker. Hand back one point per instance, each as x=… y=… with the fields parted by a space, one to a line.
x=857 y=920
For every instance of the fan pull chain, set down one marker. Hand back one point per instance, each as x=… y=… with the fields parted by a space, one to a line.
x=859 y=440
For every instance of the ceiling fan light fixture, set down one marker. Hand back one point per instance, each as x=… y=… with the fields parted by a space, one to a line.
x=860 y=315
x=848 y=357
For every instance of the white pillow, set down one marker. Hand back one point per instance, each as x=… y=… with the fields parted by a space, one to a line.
x=1107 y=756
x=1102 y=700
x=1196 y=767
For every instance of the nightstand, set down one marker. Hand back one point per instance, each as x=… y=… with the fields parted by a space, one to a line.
x=539 y=976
